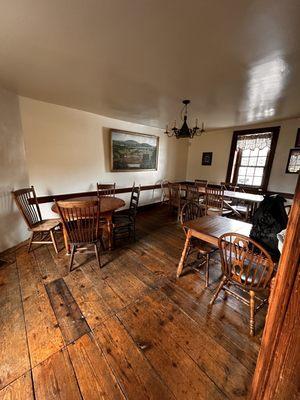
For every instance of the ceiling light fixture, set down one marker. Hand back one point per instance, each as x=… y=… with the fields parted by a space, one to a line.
x=185 y=131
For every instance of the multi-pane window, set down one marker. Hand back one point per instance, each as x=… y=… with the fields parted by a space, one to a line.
x=251 y=157
x=293 y=166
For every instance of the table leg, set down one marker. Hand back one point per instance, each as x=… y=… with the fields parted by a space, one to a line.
x=183 y=255
x=66 y=241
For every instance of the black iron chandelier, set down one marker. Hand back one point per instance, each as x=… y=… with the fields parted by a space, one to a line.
x=185 y=131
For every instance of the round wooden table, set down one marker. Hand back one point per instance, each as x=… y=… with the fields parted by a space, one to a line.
x=108 y=205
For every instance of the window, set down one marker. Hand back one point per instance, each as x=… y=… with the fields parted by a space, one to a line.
x=293 y=165
x=251 y=157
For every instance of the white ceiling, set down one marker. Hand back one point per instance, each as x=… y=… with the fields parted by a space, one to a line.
x=237 y=60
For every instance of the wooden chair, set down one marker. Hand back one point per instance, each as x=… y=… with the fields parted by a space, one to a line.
x=164 y=191
x=124 y=221
x=190 y=211
x=193 y=194
x=246 y=265
x=82 y=224
x=176 y=201
x=201 y=182
x=214 y=201
x=42 y=230
x=106 y=189
x=241 y=208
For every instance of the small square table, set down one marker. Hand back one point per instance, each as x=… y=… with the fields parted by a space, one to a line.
x=209 y=228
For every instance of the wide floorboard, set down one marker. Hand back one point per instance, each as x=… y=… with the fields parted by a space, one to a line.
x=128 y=331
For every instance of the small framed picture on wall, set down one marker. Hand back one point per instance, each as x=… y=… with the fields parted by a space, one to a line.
x=293 y=164
x=297 y=143
x=207 y=158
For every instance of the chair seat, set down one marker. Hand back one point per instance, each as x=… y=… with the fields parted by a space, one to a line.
x=202 y=247
x=175 y=203
x=226 y=212
x=213 y=211
x=122 y=220
x=46 y=225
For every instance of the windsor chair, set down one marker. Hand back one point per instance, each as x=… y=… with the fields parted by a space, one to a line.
x=81 y=221
x=42 y=230
x=248 y=266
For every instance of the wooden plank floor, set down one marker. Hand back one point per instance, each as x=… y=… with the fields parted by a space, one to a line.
x=127 y=331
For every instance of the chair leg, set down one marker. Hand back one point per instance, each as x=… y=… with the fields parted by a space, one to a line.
x=54 y=241
x=134 y=232
x=114 y=240
x=252 y=312
x=178 y=214
x=207 y=271
x=72 y=257
x=30 y=242
x=97 y=254
x=188 y=254
x=102 y=242
x=222 y=283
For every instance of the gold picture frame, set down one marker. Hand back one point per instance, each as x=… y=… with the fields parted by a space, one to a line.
x=132 y=151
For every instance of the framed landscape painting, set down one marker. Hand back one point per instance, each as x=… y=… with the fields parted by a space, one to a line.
x=133 y=151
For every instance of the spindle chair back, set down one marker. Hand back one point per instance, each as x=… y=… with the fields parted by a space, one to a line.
x=81 y=221
x=106 y=189
x=214 y=199
x=42 y=231
x=201 y=182
x=28 y=205
x=190 y=211
x=193 y=194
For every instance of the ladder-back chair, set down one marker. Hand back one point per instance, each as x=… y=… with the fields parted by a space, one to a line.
x=124 y=221
x=106 y=189
x=42 y=230
x=248 y=266
x=189 y=212
x=81 y=220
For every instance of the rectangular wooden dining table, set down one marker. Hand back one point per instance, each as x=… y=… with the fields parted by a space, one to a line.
x=234 y=195
x=252 y=199
x=209 y=228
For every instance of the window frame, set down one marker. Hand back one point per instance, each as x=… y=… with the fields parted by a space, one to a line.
x=268 y=166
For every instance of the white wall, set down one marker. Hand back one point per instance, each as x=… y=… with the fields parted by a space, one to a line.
x=13 y=170
x=219 y=143
x=68 y=150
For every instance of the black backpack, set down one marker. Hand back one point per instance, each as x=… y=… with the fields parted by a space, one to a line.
x=269 y=219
